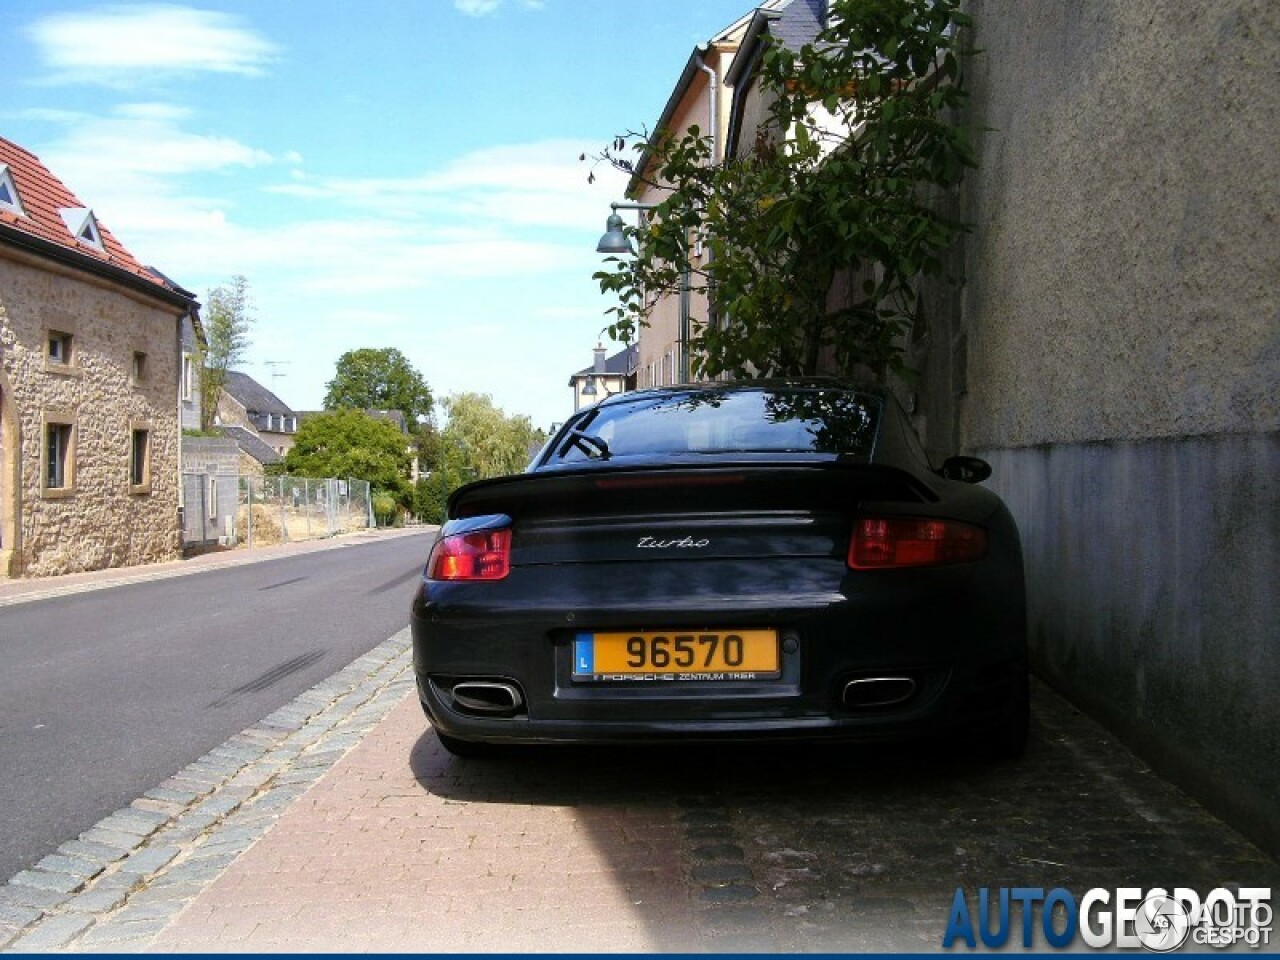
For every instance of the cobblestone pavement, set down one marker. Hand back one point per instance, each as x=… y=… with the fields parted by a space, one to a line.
x=339 y=824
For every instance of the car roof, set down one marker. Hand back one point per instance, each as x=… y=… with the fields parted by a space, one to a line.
x=744 y=386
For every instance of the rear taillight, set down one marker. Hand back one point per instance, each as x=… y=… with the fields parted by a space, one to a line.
x=485 y=555
x=883 y=542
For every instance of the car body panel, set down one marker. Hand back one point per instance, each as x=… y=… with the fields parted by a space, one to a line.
x=720 y=543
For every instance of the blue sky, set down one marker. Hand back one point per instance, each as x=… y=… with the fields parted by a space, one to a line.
x=389 y=173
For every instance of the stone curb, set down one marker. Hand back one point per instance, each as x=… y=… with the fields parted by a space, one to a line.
x=116 y=886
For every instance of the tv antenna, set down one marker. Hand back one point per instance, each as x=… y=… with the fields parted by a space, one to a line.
x=275 y=374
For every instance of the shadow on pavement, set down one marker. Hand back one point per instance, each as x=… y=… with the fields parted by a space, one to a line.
x=837 y=848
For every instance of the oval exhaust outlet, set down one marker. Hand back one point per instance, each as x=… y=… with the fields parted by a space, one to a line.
x=487 y=696
x=878 y=692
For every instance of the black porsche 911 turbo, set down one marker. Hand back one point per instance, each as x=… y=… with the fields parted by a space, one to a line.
x=757 y=560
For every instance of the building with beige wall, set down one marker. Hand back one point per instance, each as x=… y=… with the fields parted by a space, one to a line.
x=700 y=98
x=606 y=376
x=90 y=347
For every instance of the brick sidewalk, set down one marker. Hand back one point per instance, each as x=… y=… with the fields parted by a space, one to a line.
x=402 y=848
x=378 y=856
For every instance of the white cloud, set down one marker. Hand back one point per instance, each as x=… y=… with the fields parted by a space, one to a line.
x=482 y=8
x=97 y=145
x=476 y=8
x=521 y=185
x=114 y=44
x=500 y=240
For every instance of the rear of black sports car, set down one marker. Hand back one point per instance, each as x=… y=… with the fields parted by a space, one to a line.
x=667 y=570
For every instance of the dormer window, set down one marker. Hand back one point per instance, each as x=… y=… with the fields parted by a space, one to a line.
x=9 y=199
x=83 y=226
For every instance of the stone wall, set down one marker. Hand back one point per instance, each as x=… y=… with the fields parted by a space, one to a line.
x=1113 y=352
x=105 y=393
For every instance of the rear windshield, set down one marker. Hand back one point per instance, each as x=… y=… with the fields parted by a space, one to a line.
x=738 y=421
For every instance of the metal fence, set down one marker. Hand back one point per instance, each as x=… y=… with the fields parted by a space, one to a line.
x=231 y=509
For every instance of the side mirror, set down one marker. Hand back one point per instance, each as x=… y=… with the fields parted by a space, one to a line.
x=966 y=469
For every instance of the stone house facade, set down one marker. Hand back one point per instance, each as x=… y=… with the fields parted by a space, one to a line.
x=89 y=376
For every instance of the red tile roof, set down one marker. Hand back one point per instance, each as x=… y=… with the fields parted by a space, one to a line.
x=41 y=195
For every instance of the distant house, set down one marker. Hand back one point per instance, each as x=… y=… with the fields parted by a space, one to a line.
x=89 y=385
x=605 y=377
x=261 y=415
x=256 y=454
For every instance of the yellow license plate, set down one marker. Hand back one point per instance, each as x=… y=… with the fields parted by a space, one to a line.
x=677 y=655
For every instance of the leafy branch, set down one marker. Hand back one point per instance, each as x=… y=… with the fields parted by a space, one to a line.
x=840 y=181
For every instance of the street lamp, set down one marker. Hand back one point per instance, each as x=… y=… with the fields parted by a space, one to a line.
x=615 y=240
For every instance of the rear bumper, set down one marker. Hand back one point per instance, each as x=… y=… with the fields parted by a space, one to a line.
x=962 y=711
x=958 y=638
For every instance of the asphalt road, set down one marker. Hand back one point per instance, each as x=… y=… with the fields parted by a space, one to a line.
x=105 y=694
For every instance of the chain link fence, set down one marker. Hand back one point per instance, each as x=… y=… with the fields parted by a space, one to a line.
x=230 y=509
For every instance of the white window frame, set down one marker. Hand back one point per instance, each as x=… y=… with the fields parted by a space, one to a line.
x=188 y=377
x=13 y=205
x=83 y=226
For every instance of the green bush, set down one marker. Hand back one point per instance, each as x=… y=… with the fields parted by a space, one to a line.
x=385 y=508
x=430 y=495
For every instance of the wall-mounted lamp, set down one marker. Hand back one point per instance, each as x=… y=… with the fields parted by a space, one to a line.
x=615 y=240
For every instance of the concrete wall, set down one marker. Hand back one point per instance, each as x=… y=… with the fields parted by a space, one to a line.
x=204 y=517
x=99 y=520
x=1114 y=352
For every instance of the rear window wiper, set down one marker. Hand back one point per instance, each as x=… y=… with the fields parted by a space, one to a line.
x=594 y=447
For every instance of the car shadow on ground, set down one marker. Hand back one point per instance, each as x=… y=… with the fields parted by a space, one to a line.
x=838 y=847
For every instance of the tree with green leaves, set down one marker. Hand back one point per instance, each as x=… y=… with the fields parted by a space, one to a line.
x=228 y=315
x=479 y=441
x=841 y=182
x=379 y=379
x=492 y=443
x=350 y=443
